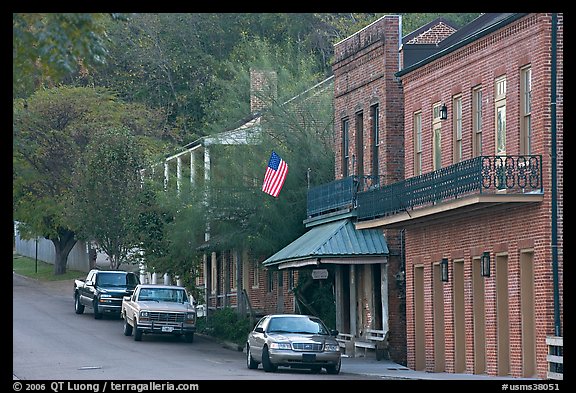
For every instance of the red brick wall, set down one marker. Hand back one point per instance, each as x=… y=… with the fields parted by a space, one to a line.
x=364 y=69
x=525 y=41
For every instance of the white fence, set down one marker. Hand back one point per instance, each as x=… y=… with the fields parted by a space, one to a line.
x=43 y=249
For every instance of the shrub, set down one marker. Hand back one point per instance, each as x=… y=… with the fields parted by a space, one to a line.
x=225 y=324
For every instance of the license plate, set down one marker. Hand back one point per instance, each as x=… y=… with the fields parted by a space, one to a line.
x=308 y=357
x=167 y=329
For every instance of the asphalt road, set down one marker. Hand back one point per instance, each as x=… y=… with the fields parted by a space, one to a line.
x=51 y=342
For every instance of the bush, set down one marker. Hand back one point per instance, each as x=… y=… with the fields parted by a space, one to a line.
x=225 y=324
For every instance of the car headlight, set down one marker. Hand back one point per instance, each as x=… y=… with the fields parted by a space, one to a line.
x=331 y=348
x=105 y=295
x=191 y=316
x=143 y=314
x=280 y=346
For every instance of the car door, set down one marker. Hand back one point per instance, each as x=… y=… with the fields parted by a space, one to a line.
x=258 y=338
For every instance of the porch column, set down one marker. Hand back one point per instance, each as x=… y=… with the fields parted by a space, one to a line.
x=353 y=301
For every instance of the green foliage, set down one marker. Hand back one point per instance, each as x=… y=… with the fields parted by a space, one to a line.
x=104 y=205
x=46 y=47
x=226 y=324
x=51 y=133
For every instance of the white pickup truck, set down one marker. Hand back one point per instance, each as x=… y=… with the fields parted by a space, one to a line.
x=159 y=309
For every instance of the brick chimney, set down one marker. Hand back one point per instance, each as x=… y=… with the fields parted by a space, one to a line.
x=263 y=89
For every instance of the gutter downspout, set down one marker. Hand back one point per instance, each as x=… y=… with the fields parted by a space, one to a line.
x=553 y=178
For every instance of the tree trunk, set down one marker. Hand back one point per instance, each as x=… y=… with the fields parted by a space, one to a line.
x=63 y=244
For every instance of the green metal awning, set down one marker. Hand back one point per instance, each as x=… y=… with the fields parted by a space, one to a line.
x=337 y=242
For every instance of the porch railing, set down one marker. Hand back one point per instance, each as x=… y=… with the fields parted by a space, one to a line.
x=479 y=175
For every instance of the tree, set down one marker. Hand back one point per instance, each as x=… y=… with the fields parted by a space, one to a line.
x=46 y=47
x=51 y=130
x=104 y=204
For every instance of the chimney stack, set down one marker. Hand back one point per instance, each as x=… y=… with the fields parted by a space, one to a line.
x=263 y=89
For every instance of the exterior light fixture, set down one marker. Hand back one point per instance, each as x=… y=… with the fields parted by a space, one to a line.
x=443 y=112
x=485 y=264
x=444 y=269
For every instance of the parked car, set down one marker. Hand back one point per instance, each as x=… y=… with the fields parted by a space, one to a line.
x=159 y=309
x=103 y=290
x=293 y=340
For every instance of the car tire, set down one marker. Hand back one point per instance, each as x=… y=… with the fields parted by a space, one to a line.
x=335 y=369
x=250 y=362
x=78 y=307
x=137 y=334
x=189 y=337
x=97 y=315
x=127 y=328
x=266 y=363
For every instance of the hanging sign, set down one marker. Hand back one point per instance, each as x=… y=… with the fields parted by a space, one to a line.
x=320 y=274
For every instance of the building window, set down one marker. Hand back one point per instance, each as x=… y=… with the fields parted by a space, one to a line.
x=280 y=278
x=233 y=273
x=500 y=110
x=256 y=274
x=457 y=119
x=417 y=143
x=345 y=147
x=525 y=111
x=436 y=137
x=375 y=115
x=214 y=272
x=477 y=121
x=359 y=145
x=291 y=279
x=270 y=281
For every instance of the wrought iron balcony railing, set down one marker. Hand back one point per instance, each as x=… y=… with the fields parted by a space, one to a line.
x=338 y=195
x=479 y=175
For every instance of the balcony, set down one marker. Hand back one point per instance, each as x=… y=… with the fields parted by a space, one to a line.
x=338 y=196
x=475 y=183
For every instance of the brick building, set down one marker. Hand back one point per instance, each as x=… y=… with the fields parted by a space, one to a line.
x=479 y=197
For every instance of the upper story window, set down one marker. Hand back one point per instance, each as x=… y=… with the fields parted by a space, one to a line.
x=457 y=126
x=477 y=121
x=375 y=140
x=345 y=147
x=417 y=143
x=526 y=110
x=500 y=115
x=359 y=170
x=436 y=137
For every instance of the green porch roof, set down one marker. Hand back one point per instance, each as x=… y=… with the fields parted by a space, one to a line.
x=333 y=240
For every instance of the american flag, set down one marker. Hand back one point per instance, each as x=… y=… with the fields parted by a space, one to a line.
x=275 y=175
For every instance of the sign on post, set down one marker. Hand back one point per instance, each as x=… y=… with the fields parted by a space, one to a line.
x=320 y=274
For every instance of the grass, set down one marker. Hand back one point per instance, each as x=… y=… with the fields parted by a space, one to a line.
x=40 y=270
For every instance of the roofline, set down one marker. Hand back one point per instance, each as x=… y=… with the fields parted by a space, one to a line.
x=462 y=43
x=364 y=28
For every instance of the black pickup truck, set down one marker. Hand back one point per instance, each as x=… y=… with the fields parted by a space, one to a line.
x=103 y=290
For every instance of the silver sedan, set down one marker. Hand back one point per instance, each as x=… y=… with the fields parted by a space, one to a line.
x=293 y=340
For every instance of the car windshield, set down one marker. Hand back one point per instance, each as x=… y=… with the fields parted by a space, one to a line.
x=296 y=325
x=175 y=295
x=111 y=279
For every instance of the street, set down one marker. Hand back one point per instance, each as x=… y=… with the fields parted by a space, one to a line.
x=51 y=342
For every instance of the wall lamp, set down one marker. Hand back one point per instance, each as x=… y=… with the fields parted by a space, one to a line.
x=444 y=269
x=485 y=264
x=443 y=112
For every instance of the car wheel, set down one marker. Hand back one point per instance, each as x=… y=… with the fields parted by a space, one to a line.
x=78 y=307
x=137 y=334
x=335 y=369
x=127 y=328
x=97 y=315
x=266 y=363
x=250 y=362
x=189 y=338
